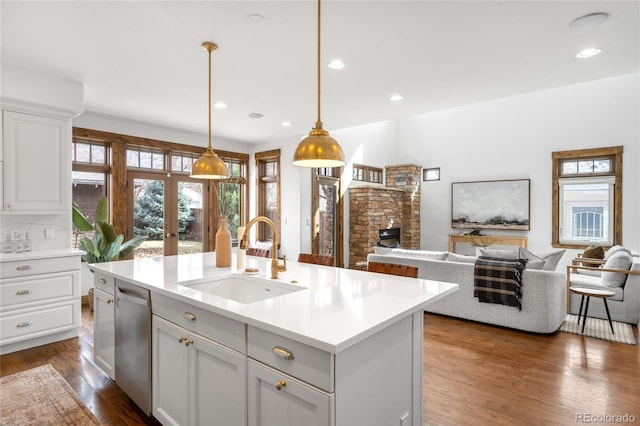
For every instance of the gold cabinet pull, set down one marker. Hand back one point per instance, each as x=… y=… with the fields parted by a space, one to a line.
x=23 y=267
x=281 y=384
x=109 y=300
x=182 y=339
x=24 y=324
x=283 y=353
x=23 y=292
x=188 y=342
x=190 y=316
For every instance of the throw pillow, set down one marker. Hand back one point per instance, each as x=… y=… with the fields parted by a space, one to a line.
x=551 y=260
x=613 y=250
x=535 y=264
x=504 y=254
x=460 y=258
x=594 y=252
x=620 y=260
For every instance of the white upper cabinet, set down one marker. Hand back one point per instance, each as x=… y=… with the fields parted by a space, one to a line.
x=37 y=163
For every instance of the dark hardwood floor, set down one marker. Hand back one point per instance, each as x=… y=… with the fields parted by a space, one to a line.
x=73 y=358
x=474 y=374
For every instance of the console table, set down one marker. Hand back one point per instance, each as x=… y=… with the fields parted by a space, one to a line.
x=504 y=240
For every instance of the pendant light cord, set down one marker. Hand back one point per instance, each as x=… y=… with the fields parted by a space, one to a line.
x=319 y=122
x=210 y=148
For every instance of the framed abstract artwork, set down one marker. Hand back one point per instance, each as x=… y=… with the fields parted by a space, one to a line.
x=495 y=204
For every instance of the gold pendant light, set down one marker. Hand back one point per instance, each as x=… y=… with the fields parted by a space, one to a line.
x=209 y=166
x=318 y=149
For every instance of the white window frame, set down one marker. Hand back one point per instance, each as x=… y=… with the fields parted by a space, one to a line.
x=566 y=211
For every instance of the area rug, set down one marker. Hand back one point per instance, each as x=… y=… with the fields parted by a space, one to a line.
x=40 y=396
x=599 y=328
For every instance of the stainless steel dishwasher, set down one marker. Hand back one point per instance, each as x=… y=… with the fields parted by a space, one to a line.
x=133 y=343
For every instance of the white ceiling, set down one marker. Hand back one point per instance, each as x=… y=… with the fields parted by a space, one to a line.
x=143 y=59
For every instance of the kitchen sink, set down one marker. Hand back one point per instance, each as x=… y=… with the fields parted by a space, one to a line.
x=245 y=290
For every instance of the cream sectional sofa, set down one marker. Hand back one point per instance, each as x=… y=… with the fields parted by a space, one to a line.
x=544 y=295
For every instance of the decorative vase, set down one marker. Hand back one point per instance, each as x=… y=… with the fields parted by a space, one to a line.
x=223 y=245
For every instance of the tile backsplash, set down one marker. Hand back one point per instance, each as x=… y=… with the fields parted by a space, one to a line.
x=37 y=226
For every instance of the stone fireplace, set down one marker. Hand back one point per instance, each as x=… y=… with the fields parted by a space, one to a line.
x=373 y=207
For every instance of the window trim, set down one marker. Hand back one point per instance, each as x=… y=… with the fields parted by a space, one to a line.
x=558 y=157
x=261 y=158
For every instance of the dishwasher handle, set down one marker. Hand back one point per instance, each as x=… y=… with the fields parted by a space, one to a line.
x=128 y=297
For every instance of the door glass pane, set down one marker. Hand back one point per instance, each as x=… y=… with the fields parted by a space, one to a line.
x=327 y=219
x=148 y=216
x=190 y=217
x=87 y=188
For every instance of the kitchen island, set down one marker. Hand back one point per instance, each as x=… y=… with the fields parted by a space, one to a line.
x=317 y=345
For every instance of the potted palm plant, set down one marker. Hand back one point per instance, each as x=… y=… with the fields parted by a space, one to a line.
x=104 y=245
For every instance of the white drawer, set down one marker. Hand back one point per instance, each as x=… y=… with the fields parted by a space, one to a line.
x=26 y=324
x=104 y=282
x=216 y=327
x=23 y=292
x=309 y=364
x=23 y=268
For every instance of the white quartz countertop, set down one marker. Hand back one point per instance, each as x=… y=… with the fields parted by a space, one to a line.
x=39 y=254
x=336 y=309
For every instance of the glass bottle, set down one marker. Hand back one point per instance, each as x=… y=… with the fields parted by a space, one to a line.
x=8 y=244
x=27 y=243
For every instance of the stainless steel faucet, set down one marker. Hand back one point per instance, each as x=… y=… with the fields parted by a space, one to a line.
x=275 y=265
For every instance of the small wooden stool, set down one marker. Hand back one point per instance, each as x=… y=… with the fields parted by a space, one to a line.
x=589 y=293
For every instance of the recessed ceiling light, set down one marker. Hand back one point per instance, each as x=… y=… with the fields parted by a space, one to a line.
x=286 y=123
x=255 y=18
x=256 y=115
x=588 y=21
x=220 y=105
x=587 y=53
x=396 y=98
x=336 y=64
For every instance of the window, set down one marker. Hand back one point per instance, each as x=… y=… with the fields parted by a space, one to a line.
x=367 y=173
x=140 y=158
x=587 y=205
x=232 y=195
x=89 y=177
x=268 y=191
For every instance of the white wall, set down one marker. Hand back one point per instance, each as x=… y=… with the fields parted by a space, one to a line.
x=513 y=138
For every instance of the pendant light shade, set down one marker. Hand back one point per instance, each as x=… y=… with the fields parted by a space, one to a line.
x=318 y=149
x=209 y=166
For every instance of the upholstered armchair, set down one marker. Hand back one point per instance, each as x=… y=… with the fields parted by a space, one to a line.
x=624 y=306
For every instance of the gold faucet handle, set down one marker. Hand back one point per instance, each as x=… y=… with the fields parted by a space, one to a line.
x=283 y=267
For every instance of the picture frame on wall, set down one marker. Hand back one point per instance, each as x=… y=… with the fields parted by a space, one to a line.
x=431 y=174
x=497 y=204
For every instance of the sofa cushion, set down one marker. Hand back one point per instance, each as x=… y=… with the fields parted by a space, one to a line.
x=586 y=281
x=615 y=249
x=504 y=254
x=619 y=260
x=461 y=258
x=382 y=250
x=551 y=259
x=424 y=254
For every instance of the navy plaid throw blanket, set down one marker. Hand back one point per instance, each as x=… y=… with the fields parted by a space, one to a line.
x=497 y=280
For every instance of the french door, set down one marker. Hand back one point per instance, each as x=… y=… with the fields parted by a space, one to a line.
x=171 y=210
